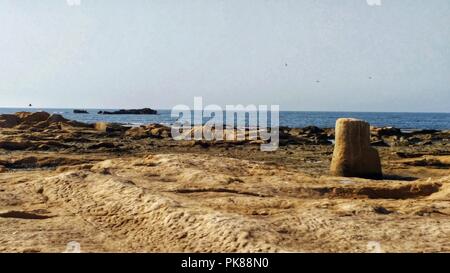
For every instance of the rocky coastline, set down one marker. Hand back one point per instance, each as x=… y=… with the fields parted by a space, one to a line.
x=63 y=180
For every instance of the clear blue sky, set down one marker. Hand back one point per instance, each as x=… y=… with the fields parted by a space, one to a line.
x=136 y=53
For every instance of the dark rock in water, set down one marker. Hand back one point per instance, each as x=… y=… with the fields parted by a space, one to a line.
x=144 y=111
x=76 y=111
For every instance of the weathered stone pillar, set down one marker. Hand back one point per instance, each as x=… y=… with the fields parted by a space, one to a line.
x=353 y=156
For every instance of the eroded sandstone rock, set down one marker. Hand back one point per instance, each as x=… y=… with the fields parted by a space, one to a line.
x=101 y=126
x=55 y=118
x=137 y=133
x=31 y=118
x=159 y=131
x=386 y=131
x=15 y=145
x=109 y=127
x=353 y=156
x=8 y=121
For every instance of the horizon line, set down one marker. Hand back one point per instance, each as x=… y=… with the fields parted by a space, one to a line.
x=166 y=109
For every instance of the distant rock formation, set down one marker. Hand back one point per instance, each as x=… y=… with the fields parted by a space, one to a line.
x=77 y=111
x=353 y=156
x=144 y=111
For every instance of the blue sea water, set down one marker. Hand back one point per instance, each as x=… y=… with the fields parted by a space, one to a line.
x=438 y=121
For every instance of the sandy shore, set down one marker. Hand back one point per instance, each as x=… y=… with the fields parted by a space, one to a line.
x=113 y=189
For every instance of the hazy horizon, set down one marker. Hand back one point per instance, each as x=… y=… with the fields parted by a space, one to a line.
x=169 y=109
x=310 y=55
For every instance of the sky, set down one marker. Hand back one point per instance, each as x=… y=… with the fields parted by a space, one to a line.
x=307 y=55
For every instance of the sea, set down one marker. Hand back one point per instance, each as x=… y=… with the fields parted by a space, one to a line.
x=293 y=119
